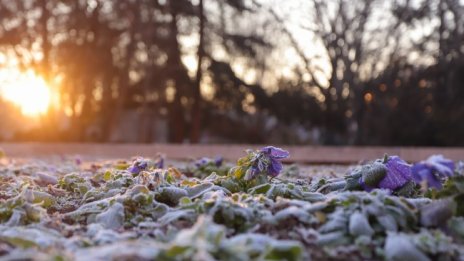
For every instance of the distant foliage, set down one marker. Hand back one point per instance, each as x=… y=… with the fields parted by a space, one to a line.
x=367 y=72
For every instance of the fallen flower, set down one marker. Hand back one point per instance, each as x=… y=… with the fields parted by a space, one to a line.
x=391 y=173
x=433 y=170
x=398 y=173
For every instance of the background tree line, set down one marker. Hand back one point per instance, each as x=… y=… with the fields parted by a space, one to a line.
x=362 y=72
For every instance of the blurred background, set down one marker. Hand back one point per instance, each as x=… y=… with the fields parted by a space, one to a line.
x=330 y=72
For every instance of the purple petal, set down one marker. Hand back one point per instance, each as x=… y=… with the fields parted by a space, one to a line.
x=398 y=173
x=421 y=172
x=218 y=161
x=78 y=161
x=460 y=167
x=274 y=168
x=276 y=153
x=201 y=162
x=253 y=171
x=160 y=163
x=143 y=165
x=432 y=169
x=440 y=164
x=134 y=169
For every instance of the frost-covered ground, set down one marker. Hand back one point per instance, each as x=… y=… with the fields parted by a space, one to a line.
x=252 y=209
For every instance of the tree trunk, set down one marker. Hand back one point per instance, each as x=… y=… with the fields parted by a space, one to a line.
x=197 y=100
x=49 y=120
x=178 y=74
x=124 y=80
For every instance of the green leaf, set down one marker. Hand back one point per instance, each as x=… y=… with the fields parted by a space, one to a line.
x=260 y=189
x=456 y=226
x=171 y=195
x=359 y=225
x=401 y=247
x=373 y=173
x=231 y=184
x=107 y=175
x=113 y=217
x=289 y=251
x=437 y=213
x=198 y=190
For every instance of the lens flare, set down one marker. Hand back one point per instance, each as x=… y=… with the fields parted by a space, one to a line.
x=27 y=90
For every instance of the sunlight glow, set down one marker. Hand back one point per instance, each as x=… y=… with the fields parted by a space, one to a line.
x=27 y=90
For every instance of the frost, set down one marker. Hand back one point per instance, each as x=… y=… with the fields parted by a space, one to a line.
x=400 y=247
x=436 y=213
x=457 y=227
x=83 y=211
x=359 y=225
x=388 y=222
x=170 y=195
x=44 y=198
x=172 y=216
x=294 y=212
x=337 y=222
x=197 y=242
x=264 y=248
x=26 y=237
x=113 y=217
x=129 y=250
x=199 y=190
x=44 y=179
x=68 y=212
x=333 y=238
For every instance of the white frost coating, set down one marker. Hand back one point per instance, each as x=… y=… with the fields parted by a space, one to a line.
x=175 y=215
x=295 y=212
x=337 y=222
x=15 y=219
x=141 y=250
x=199 y=190
x=388 y=222
x=359 y=225
x=89 y=208
x=400 y=247
x=45 y=179
x=113 y=217
x=30 y=236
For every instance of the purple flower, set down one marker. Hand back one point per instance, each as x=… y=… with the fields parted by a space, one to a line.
x=218 y=161
x=78 y=161
x=137 y=166
x=460 y=167
x=433 y=170
x=205 y=161
x=274 y=155
x=398 y=173
x=202 y=162
x=251 y=173
x=160 y=163
x=134 y=169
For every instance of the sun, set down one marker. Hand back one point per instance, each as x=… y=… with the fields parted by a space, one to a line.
x=27 y=90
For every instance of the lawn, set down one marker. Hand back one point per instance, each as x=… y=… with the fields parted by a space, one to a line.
x=252 y=209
